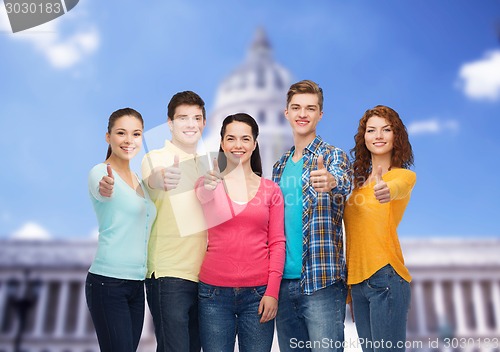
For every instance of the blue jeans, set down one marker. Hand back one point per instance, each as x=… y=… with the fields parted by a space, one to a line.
x=381 y=305
x=173 y=303
x=117 y=310
x=311 y=322
x=226 y=312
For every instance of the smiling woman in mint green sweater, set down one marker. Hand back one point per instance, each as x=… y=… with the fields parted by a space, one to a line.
x=115 y=283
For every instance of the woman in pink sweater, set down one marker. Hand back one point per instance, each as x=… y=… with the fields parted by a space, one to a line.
x=241 y=273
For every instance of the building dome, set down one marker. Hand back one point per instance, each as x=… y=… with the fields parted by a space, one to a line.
x=257 y=87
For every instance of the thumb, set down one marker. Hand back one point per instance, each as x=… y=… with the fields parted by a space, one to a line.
x=321 y=164
x=176 y=161
x=378 y=175
x=110 y=171
x=216 y=165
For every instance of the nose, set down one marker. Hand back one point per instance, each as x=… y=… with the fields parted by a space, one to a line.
x=378 y=135
x=303 y=112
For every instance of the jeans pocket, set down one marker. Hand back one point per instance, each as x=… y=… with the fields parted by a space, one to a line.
x=205 y=291
x=260 y=291
x=379 y=281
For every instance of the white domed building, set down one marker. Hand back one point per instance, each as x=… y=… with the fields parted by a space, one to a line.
x=257 y=87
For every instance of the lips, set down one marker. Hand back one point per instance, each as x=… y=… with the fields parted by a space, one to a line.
x=379 y=144
x=127 y=149
x=302 y=122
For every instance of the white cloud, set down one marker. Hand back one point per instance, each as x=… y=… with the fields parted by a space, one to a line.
x=481 y=79
x=61 y=50
x=433 y=126
x=31 y=231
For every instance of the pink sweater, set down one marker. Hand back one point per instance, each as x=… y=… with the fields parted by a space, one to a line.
x=246 y=242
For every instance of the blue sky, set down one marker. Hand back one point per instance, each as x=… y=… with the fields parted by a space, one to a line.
x=437 y=63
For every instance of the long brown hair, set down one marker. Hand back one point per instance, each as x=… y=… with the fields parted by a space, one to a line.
x=402 y=154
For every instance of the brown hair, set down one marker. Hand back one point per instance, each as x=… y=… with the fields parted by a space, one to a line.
x=402 y=154
x=305 y=87
x=185 y=98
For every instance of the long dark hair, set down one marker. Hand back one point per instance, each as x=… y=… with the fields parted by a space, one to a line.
x=402 y=154
x=255 y=161
x=118 y=114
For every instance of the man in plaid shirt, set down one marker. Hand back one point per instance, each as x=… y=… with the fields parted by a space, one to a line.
x=315 y=179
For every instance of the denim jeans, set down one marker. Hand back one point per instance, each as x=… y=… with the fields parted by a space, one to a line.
x=381 y=305
x=311 y=322
x=173 y=303
x=117 y=310
x=226 y=312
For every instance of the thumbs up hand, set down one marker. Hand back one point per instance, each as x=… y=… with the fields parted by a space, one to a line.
x=382 y=191
x=321 y=179
x=171 y=175
x=107 y=183
x=212 y=177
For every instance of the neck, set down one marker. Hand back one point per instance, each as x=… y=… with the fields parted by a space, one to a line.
x=188 y=149
x=382 y=160
x=301 y=142
x=239 y=171
x=118 y=164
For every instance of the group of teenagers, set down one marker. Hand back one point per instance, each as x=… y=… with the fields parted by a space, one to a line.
x=224 y=252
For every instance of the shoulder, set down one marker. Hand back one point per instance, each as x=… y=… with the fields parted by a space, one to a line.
x=98 y=170
x=271 y=188
x=404 y=174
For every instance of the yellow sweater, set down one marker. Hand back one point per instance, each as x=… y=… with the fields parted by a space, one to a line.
x=372 y=239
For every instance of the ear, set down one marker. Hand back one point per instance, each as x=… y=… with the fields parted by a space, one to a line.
x=170 y=124
x=321 y=115
x=107 y=138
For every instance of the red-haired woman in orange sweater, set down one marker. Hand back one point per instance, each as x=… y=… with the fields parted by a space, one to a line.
x=378 y=278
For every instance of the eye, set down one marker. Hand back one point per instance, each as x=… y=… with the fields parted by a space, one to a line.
x=387 y=129
x=137 y=134
x=370 y=130
x=198 y=119
x=120 y=133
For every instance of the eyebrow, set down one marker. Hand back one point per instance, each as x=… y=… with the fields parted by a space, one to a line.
x=381 y=127
x=308 y=106
x=185 y=115
x=245 y=135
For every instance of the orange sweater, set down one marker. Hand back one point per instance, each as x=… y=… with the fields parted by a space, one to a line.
x=372 y=239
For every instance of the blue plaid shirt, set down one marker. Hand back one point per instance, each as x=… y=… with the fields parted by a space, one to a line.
x=323 y=260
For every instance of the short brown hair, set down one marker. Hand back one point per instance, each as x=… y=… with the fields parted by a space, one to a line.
x=305 y=87
x=185 y=98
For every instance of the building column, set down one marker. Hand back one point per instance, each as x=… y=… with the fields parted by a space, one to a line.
x=420 y=308
x=62 y=308
x=82 y=314
x=458 y=303
x=495 y=297
x=41 y=309
x=479 y=312
x=439 y=305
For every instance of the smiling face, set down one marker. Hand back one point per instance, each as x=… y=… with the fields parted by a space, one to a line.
x=125 y=137
x=238 y=143
x=379 y=136
x=187 y=126
x=303 y=113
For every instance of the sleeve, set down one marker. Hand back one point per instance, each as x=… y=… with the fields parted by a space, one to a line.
x=340 y=167
x=95 y=176
x=276 y=242
x=402 y=186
